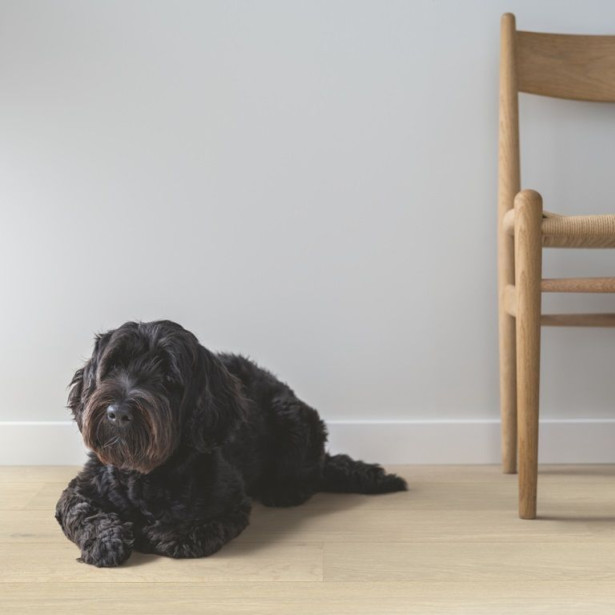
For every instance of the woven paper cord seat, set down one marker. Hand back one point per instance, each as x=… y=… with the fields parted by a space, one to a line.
x=572 y=231
x=578 y=231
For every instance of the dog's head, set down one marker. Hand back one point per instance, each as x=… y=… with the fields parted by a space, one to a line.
x=149 y=389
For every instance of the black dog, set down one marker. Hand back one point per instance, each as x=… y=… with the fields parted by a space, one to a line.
x=181 y=439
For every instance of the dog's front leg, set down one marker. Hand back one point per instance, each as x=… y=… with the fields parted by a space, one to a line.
x=104 y=539
x=192 y=537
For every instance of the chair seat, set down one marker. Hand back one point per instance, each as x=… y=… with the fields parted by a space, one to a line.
x=572 y=231
x=578 y=231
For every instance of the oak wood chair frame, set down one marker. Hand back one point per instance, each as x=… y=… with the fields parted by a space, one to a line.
x=577 y=67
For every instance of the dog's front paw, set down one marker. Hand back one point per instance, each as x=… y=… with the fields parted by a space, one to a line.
x=110 y=543
x=178 y=545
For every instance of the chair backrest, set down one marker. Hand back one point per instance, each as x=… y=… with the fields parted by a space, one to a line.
x=566 y=65
x=571 y=66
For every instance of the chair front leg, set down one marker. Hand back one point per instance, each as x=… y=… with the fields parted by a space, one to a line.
x=528 y=274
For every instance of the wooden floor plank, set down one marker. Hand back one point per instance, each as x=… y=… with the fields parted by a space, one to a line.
x=414 y=473
x=17 y=495
x=56 y=562
x=37 y=474
x=470 y=561
x=360 y=525
x=310 y=598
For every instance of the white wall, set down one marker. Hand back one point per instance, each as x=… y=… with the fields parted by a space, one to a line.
x=310 y=183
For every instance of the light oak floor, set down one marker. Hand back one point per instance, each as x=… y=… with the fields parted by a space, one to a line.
x=452 y=544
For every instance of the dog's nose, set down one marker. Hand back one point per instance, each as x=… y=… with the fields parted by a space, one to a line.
x=119 y=415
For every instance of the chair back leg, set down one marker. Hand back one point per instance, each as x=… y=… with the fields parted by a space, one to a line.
x=508 y=186
x=508 y=390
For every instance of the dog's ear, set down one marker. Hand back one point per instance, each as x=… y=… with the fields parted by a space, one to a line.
x=216 y=404
x=75 y=395
x=84 y=379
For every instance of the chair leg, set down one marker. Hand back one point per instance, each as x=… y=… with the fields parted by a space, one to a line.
x=508 y=390
x=528 y=273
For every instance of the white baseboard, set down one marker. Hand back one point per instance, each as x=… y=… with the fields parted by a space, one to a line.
x=389 y=442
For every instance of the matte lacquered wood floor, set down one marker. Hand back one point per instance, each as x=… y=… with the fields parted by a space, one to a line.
x=452 y=544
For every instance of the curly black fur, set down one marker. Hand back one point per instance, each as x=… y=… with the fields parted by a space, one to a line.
x=181 y=440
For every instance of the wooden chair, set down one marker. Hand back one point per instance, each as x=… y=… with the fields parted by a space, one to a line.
x=562 y=66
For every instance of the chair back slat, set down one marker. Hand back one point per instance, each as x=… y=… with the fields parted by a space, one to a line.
x=572 y=66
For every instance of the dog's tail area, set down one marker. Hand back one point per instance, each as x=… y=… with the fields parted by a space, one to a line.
x=342 y=474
